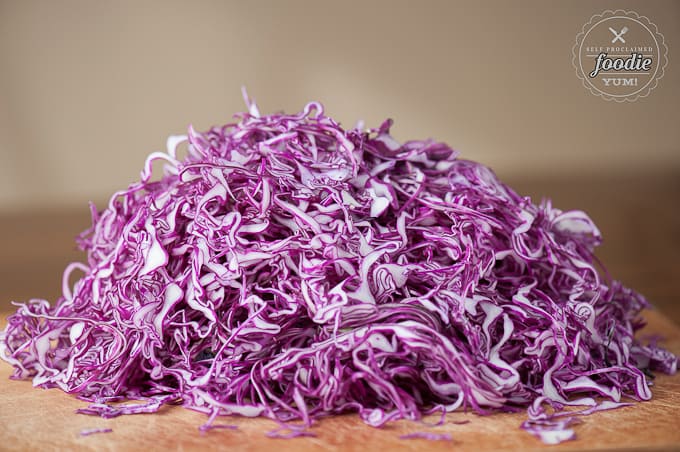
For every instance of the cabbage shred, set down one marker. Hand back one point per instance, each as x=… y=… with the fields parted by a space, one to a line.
x=289 y=268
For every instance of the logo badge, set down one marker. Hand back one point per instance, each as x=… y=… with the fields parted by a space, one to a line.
x=620 y=55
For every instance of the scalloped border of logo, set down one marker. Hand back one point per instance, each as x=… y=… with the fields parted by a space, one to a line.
x=662 y=52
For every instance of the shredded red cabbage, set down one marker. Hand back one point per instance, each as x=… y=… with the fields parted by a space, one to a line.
x=428 y=436
x=94 y=431
x=289 y=268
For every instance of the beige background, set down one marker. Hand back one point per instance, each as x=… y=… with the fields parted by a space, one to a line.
x=88 y=88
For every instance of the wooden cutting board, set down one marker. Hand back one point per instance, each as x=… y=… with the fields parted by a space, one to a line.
x=36 y=419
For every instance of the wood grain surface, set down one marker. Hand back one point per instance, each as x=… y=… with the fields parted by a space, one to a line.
x=638 y=217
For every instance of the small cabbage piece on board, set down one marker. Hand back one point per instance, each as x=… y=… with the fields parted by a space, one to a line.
x=289 y=268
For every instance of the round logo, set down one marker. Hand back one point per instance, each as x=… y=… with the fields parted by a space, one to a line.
x=620 y=55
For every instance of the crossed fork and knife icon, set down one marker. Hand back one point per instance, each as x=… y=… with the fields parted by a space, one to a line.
x=618 y=36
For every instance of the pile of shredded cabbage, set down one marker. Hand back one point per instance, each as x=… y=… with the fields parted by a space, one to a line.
x=289 y=268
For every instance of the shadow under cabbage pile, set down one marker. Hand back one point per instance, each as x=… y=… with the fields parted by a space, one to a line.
x=291 y=269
